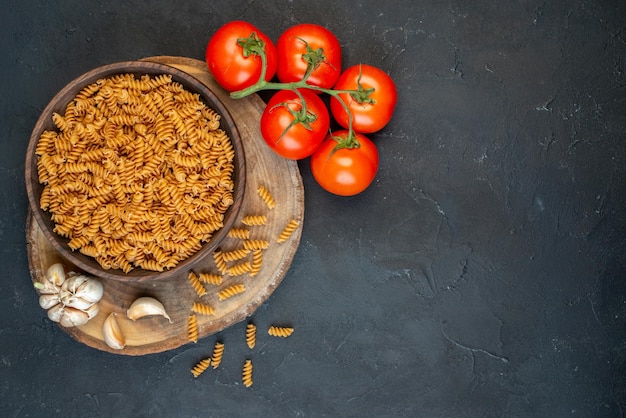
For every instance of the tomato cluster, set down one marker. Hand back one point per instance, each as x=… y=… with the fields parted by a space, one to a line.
x=306 y=62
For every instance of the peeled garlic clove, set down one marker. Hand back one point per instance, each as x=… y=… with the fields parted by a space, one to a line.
x=146 y=306
x=73 y=317
x=47 y=301
x=112 y=333
x=56 y=312
x=56 y=274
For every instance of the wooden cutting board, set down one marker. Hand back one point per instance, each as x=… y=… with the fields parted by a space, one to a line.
x=156 y=334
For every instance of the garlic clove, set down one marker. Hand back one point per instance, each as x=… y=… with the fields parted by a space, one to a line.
x=112 y=333
x=56 y=274
x=92 y=311
x=73 y=282
x=47 y=301
x=90 y=290
x=56 y=312
x=77 y=303
x=146 y=306
x=73 y=317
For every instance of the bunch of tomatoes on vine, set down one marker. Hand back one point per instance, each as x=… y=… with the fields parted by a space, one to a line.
x=296 y=123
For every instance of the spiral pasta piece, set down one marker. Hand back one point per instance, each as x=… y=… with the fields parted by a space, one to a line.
x=283 y=332
x=200 y=367
x=235 y=255
x=239 y=269
x=202 y=309
x=192 y=328
x=251 y=335
x=196 y=284
x=218 y=353
x=211 y=278
x=254 y=220
x=220 y=263
x=256 y=244
x=291 y=226
x=239 y=233
x=231 y=291
x=266 y=196
x=246 y=374
x=257 y=262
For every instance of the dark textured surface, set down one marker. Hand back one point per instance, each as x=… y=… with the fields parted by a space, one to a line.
x=481 y=275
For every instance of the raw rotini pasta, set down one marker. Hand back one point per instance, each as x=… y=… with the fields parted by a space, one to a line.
x=276 y=331
x=202 y=309
x=239 y=233
x=239 y=269
x=211 y=278
x=218 y=353
x=246 y=374
x=196 y=284
x=254 y=220
x=200 y=367
x=255 y=244
x=231 y=291
x=152 y=154
x=257 y=262
x=220 y=263
x=192 y=328
x=251 y=335
x=288 y=230
x=266 y=196
x=234 y=255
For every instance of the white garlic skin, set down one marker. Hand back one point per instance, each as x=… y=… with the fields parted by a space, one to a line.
x=112 y=333
x=70 y=299
x=146 y=306
x=48 y=300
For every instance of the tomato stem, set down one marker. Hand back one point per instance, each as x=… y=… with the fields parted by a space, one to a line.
x=257 y=47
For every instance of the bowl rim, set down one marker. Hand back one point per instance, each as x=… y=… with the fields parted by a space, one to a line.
x=86 y=263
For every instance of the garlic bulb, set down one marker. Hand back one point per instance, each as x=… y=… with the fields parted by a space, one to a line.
x=146 y=306
x=70 y=299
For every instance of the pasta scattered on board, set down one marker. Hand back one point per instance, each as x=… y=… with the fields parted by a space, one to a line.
x=291 y=226
x=192 y=328
x=239 y=233
x=202 y=309
x=266 y=196
x=254 y=220
x=283 y=332
x=196 y=284
x=231 y=291
x=211 y=278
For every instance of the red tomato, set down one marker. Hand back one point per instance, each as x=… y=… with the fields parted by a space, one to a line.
x=234 y=66
x=373 y=106
x=345 y=171
x=301 y=44
x=287 y=130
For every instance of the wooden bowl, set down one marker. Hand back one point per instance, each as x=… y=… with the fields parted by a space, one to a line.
x=58 y=104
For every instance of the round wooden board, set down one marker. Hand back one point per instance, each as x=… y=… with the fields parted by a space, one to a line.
x=155 y=334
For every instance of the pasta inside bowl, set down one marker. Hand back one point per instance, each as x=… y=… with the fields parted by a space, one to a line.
x=135 y=171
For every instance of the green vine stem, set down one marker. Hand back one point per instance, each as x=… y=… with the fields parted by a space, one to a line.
x=253 y=45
